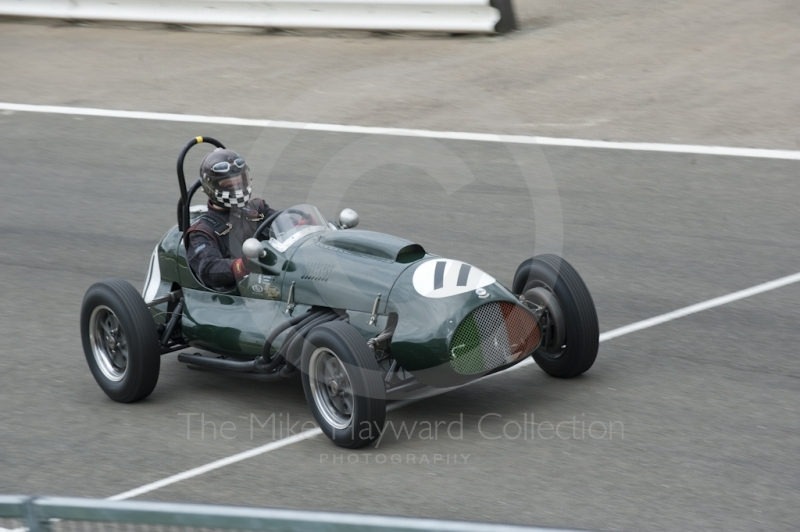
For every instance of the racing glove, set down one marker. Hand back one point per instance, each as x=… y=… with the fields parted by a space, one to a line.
x=239 y=270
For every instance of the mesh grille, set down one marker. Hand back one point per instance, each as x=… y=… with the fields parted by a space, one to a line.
x=493 y=335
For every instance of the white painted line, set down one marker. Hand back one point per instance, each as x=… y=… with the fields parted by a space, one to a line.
x=216 y=465
x=614 y=333
x=306 y=435
x=680 y=313
x=699 y=307
x=452 y=135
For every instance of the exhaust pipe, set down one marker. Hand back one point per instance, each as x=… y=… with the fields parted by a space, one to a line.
x=217 y=363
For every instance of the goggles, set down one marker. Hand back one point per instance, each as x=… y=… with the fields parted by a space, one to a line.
x=224 y=166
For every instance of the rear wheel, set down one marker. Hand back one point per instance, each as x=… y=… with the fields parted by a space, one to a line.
x=343 y=385
x=120 y=341
x=570 y=333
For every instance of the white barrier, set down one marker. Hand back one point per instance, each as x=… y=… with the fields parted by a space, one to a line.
x=455 y=16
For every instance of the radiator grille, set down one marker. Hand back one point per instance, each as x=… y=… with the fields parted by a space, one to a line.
x=493 y=335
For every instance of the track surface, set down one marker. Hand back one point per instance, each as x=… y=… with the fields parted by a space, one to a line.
x=703 y=408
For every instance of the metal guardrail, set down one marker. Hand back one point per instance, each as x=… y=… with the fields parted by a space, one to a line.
x=458 y=16
x=39 y=512
x=12 y=505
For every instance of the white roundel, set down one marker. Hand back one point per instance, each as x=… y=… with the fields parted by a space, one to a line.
x=446 y=277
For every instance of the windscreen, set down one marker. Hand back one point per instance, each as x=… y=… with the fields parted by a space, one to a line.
x=296 y=222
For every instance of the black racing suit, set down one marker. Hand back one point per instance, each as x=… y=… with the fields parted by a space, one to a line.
x=215 y=240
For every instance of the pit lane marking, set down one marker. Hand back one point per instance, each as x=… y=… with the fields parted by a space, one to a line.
x=608 y=335
x=402 y=132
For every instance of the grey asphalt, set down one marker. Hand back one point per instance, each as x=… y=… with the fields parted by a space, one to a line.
x=688 y=425
x=720 y=72
x=700 y=414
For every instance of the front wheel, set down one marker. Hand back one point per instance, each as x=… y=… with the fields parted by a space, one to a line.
x=343 y=385
x=551 y=287
x=120 y=341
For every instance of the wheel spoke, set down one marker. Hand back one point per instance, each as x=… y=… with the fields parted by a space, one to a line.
x=331 y=368
x=338 y=403
x=114 y=322
x=347 y=404
x=107 y=326
x=332 y=388
x=109 y=343
x=324 y=370
x=118 y=359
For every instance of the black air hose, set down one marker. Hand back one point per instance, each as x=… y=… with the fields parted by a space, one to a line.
x=301 y=327
x=265 y=355
x=290 y=354
x=267 y=363
x=290 y=346
x=301 y=331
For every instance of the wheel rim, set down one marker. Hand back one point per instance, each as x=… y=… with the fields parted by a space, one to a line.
x=331 y=388
x=109 y=344
x=554 y=341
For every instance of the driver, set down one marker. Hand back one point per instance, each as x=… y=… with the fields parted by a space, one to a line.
x=214 y=241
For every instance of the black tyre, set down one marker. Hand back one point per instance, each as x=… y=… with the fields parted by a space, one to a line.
x=571 y=333
x=343 y=385
x=120 y=340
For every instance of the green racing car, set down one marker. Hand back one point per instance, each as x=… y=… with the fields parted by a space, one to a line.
x=361 y=317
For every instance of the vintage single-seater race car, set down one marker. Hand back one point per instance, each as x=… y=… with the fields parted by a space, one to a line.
x=361 y=317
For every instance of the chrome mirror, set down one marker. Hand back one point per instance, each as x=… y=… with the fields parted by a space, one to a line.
x=253 y=249
x=348 y=219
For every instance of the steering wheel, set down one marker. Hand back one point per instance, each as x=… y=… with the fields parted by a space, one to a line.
x=266 y=223
x=305 y=218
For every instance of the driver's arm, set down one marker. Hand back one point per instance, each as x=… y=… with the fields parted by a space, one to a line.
x=263 y=208
x=206 y=260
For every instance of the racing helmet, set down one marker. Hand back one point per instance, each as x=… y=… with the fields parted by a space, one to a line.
x=224 y=177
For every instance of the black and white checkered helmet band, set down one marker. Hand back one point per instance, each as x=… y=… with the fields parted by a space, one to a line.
x=236 y=198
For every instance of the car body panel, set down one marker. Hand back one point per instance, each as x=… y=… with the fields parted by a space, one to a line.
x=426 y=325
x=227 y=324
x=348 y=270
x=332 y=276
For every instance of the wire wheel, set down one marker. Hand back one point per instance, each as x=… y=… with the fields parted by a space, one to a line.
x=109 y=344
x=331 y=388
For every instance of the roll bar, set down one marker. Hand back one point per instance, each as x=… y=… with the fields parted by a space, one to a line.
x=186 y=195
